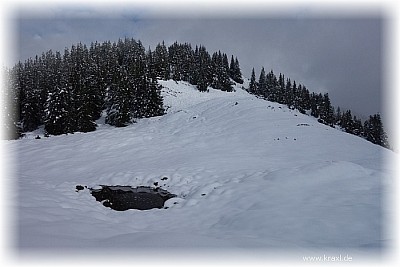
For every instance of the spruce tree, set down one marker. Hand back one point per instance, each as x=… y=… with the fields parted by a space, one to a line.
x=262 y=84
x=220 y=72
x=326 y=110
x=281 y=89
x=84 y=90
x=59 y=107
x=161 y=61
x=305 y=100
x=58 y=112
x=31 y=104
x=253 y=84
x=120 y=99
x=288 y=99
x=358 y=128
x=232 y=69
x=237 y=73
x=347 y=122
x=204 y=70
x=374 y=132
x=272 y=86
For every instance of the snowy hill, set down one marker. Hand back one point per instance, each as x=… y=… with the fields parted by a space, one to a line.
x=247 y=173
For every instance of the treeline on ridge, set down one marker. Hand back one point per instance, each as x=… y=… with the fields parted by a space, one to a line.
x=68 y=92
x=297 y=96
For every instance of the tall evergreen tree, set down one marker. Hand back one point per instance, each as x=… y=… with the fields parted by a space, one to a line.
x=220 y=71
x=272 y=86
x=288 y=99
x=281 y=89
x=326 y=110
x=234 y=71
x=347 y=122
x=59 y=107
x=358 y=128
x=374 y=132
x=262 y=84
x=253 y=83
x=31 y=104
x=161 y=61
x=204 y=70
x=305 y=100
x=84 y=91
x=120 y=99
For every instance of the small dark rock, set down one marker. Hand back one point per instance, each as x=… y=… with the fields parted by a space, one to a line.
x=38 y=137
x=236 y=103
x=164 y=178
x=203 y=194
x=79 y=188
x=155 y=183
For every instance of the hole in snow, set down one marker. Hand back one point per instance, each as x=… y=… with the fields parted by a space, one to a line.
x=126 y=197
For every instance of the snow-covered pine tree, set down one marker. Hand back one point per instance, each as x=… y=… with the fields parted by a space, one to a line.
x=347 y=122
x=315 y=104
x=297 y=91
x=59 y=107
x=226 y=83
x=30 y=101
x=281 y=89
x=358 y=127
x=326 y=110
x=220 y=72
x=262 y=84
x=288 y=96
x=305 y=100
x=58 y=118
x=155 y=106
x=175 y=61
x=84 y=91
x=234 y=71
x=204 y=70
x=272 y=86
x=374 y=132
x=161 y=61
x=120 y=99
x=253 y=84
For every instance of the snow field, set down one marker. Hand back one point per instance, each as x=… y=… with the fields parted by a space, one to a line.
x=247 y=173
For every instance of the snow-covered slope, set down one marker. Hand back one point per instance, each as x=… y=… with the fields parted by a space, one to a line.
x=248 y=174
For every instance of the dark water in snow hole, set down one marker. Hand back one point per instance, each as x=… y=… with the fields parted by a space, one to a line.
x=126 y=197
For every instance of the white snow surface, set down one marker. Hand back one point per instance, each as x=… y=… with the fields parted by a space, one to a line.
x=248 y=174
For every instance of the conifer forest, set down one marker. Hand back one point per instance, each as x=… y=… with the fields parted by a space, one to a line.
x=68 y=92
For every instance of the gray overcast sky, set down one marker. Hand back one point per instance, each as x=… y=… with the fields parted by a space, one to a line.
x=341 y=55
